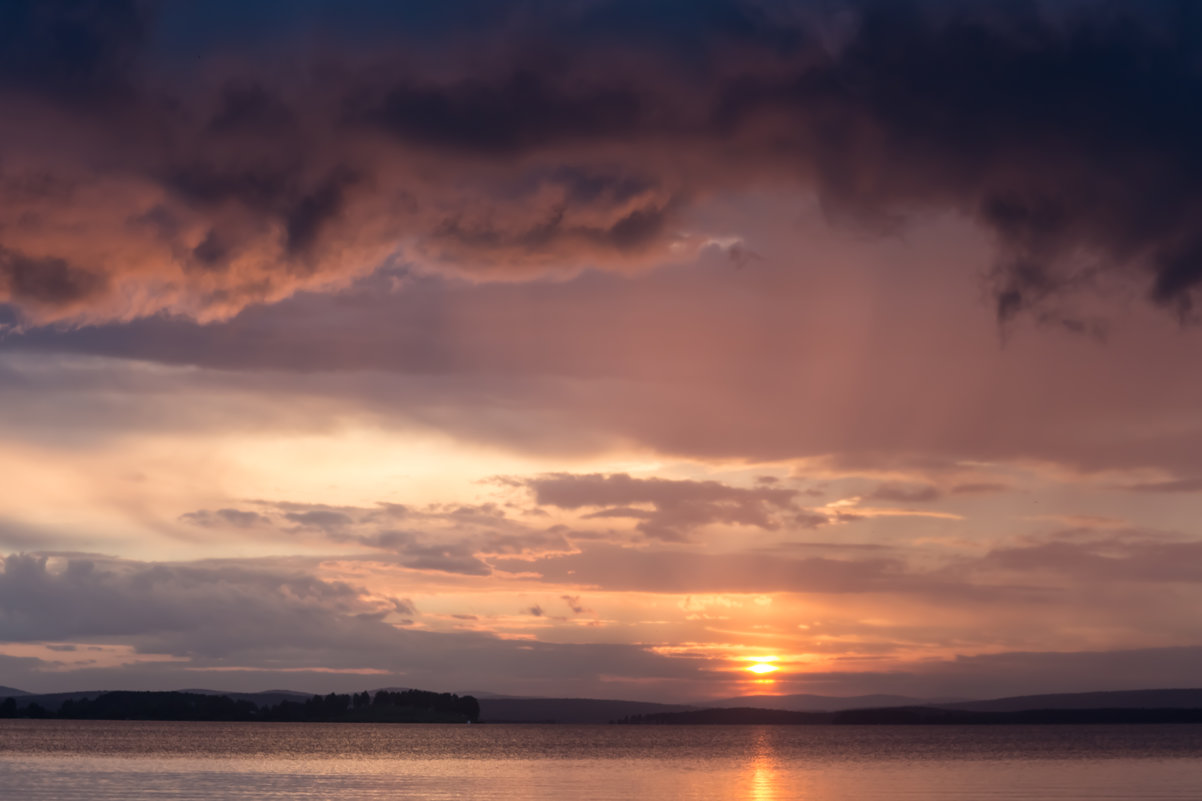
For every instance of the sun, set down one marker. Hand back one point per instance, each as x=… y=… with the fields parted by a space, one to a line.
x=762 y=665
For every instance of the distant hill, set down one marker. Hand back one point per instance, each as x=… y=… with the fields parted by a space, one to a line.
x=733 y=716
x=513 y=709
x=565 y=710
x=916 y=716
x=822 y=703
x=485 y=694
x=11 y=692
x=52 y=701
x=1121 y=706
x=1118 y=699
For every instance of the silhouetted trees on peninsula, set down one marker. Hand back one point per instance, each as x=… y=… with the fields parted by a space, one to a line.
x=404 y=706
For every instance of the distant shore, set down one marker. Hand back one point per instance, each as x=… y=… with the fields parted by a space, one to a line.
x=915 y=716
x=418 y=706
x=405 y=706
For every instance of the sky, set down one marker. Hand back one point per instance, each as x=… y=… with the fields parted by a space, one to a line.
x=601 y=348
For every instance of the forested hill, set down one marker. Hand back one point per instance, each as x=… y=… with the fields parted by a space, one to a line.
x=405 y=706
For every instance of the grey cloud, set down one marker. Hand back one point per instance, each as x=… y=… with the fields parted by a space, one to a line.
x=979 y=488
x=574 y=603
x=620 y=512
x=1093 y=558
x=202 y=609
x=1177 y=485
x=254 y=618
x=1025 y=672
x=679 y=506
x=456 y=558
x=613 y=568
x=902 y=493
x=324 y=519
x=233 y=518
x=1013 y=673
x=443 y=538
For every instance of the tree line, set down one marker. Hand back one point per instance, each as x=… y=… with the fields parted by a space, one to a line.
x=383 y=706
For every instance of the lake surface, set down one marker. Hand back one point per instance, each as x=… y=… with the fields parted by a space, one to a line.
x=100 y=760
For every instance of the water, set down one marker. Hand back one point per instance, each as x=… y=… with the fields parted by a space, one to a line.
x=67 y=760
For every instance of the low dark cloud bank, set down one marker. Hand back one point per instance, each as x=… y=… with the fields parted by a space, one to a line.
x=249 y=619
x=244 y=152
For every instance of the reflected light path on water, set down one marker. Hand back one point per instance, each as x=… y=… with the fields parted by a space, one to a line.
x=764 y=776
x=125 y=761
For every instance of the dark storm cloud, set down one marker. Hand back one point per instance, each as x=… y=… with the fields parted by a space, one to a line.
x=42 y=281
x=524 y=111
x=78 y=51
x=580 y=133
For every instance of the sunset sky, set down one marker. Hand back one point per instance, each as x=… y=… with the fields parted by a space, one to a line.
x=601 y=348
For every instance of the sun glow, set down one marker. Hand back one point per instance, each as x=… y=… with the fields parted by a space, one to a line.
x=762 y=665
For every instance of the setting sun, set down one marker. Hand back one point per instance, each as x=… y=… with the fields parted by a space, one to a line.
x=762 y=667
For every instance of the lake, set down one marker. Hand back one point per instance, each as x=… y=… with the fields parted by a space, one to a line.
x=99 y=760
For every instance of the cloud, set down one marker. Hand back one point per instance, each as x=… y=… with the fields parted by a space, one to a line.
x=1087 y=556
x=1013 y=673
x=202 y=609
x=583 y=136
x=78 y=52
x=693 y=370
x=574 y=603
x=262 y=624
x=614 y=568
x=47 y=282
x=323 y=519
x=979 y=488
x=453 y=558
x=901 y=493
x=235 y=518
x=1176 y=485
x=678 y=506
x=440 y=538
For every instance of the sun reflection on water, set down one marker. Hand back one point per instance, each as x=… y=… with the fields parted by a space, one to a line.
x=763 y=781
